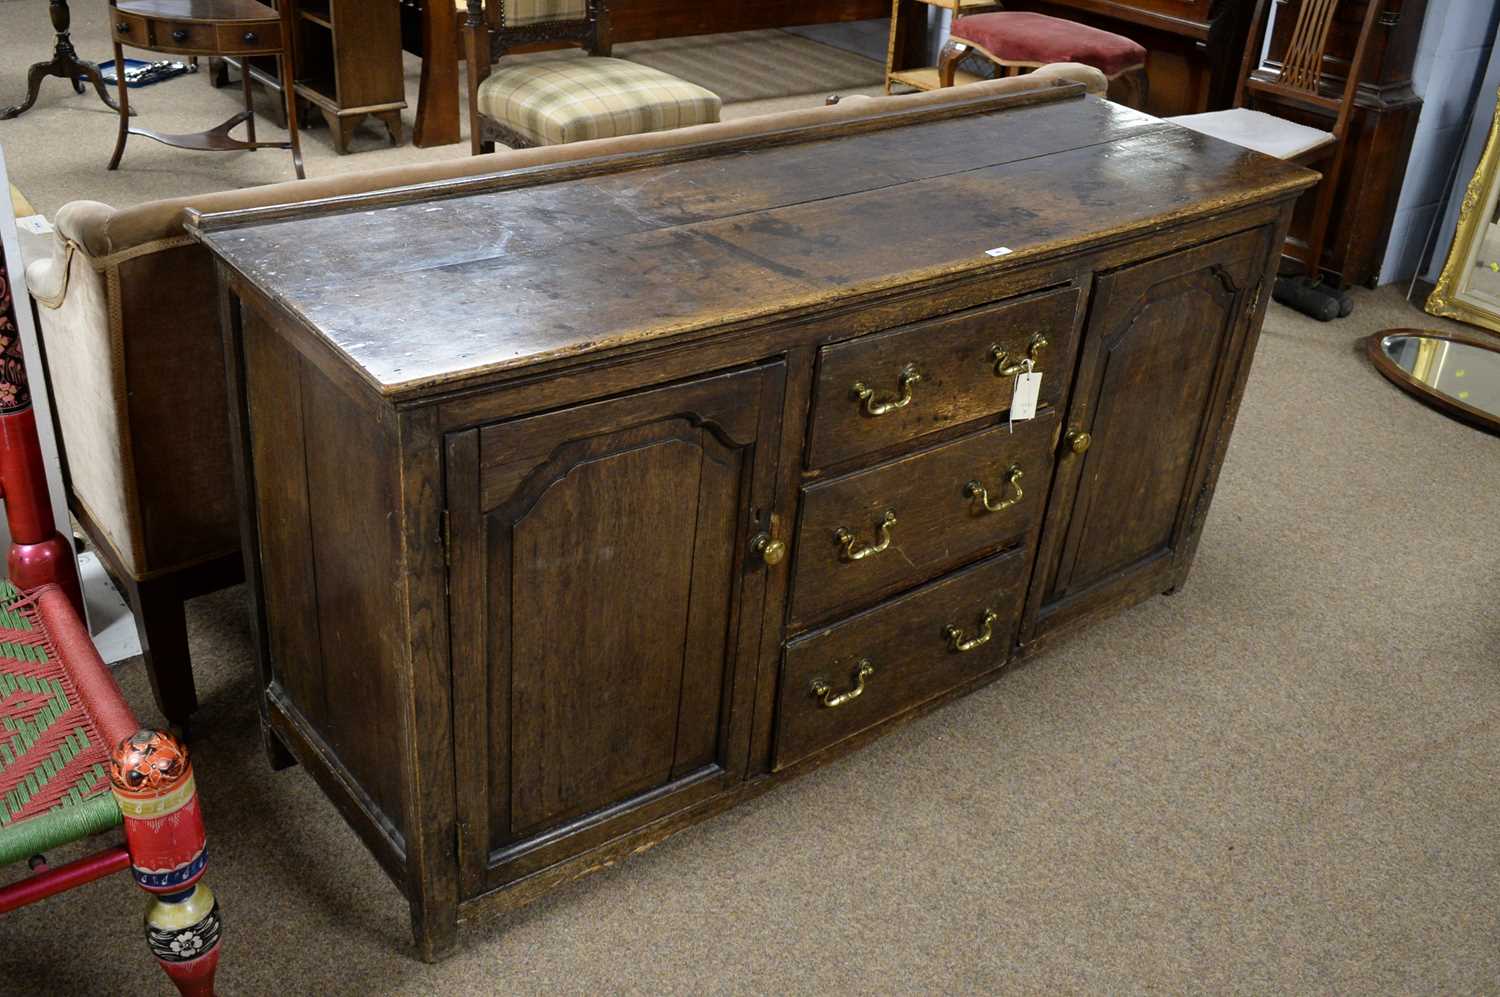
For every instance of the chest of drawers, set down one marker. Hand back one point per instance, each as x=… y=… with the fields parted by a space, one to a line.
x=597 y=499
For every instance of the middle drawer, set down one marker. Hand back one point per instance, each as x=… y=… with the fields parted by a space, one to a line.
x=880 y=530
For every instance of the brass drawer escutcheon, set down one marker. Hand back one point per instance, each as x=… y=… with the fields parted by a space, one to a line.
x=1001 y=358
x=866 y=396
x=855 y=549
x=976 y=490
x=956 y=641
x=828 y=698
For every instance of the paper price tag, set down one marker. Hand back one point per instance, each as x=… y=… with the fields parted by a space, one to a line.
x=1023 y=399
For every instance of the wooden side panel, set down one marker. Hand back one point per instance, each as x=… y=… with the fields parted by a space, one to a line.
x=353 y=497
x=278 y=446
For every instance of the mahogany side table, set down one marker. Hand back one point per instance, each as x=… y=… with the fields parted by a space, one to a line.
x=213 y=28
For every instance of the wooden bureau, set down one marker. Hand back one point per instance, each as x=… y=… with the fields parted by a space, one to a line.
x=587 y=500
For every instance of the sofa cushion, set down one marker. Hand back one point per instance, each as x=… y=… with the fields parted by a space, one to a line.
x=1022 y=38
x=570 y=100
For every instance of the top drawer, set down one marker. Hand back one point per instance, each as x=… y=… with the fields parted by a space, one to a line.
x=894 y=386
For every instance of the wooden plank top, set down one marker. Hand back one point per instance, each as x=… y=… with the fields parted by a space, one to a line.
x=440 y=291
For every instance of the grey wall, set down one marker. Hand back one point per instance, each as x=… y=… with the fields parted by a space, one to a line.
x=1454 y=51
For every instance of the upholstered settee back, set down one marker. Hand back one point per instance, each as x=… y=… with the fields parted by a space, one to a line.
x=129 y=315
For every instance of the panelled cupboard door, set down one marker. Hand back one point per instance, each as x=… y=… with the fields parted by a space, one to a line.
x=606 y=612
x=1154 y=378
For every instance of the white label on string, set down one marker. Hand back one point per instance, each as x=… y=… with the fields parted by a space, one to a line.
x=1023 y=399
x=998 y=251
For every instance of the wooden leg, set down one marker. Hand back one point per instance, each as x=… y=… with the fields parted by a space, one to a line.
x=218 y=72
x=393 y=126
x=249 y=107
x=162 y=626
x=1317 y=232
x=948 y=60
x=151 y=777
x=289 y=94
x=437 y=100
x=114 y=161
x=435 y=933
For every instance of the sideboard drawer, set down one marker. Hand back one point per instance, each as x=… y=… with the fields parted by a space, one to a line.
x=851 y=676
x=183 y=36
x=880 y=530
x=894 y=386
x=129 y=29
x=263 y=36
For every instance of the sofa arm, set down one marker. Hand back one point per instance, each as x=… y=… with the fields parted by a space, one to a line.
x=1074 y=72
x=82 y=347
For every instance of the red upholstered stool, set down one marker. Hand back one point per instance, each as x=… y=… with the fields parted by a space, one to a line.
x=1020 y=40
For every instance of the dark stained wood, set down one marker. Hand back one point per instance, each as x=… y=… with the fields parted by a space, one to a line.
x=286 y=540
x=906 y=647
x=1151 y=373
x=573 y=507
x=939 y=524
x=581 y=512
x=635 y=20
x=800 y=256
x=955 y=359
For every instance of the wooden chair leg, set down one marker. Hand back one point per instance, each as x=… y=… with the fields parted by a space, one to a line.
x=162 y=626
x=1322 y=209
x=151 y=777
x=948 y=59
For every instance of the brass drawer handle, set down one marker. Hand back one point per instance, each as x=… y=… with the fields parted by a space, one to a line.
x=251 y=38
x=180 y=35
x=909 y=376
x=1001 y=358
x=123 y=27
x=825 y=693
x=955 y=636
x=858 y=550
x=1012 y=480
x=1077 y=441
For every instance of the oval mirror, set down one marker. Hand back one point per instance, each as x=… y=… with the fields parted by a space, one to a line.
x=1457 y=376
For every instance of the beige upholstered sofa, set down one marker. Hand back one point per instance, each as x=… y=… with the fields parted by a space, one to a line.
x=128 y=305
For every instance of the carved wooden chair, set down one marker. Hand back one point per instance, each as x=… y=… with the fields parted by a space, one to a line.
x=73 y=760
x=1294 y=88
x=553 y=101
x=1020 y=41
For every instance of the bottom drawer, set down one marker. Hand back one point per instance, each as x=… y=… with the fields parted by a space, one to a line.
x=848 y=677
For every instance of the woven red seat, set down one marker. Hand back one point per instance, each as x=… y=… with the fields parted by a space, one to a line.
x=1021 y=38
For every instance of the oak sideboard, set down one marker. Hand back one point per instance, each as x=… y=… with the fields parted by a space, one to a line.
x=585 y=501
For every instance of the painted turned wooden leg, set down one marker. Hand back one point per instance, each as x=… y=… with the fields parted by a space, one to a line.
x=152 y=780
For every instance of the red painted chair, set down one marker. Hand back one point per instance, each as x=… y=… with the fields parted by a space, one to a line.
x=73 y=760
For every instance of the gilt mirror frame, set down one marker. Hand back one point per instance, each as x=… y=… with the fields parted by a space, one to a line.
x=1451 y=298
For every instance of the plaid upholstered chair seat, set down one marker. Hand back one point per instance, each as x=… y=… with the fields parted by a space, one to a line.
x=570 y=100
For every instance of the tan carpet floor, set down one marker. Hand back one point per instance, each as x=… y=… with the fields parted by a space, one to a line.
x=1281 y=779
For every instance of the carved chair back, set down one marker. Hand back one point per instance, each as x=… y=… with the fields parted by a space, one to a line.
x=1298 y=78
x=513 y=24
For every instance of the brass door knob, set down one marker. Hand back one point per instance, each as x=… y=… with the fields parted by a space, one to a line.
x=1077 y=441
x=770 y=551
x=251 y=38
